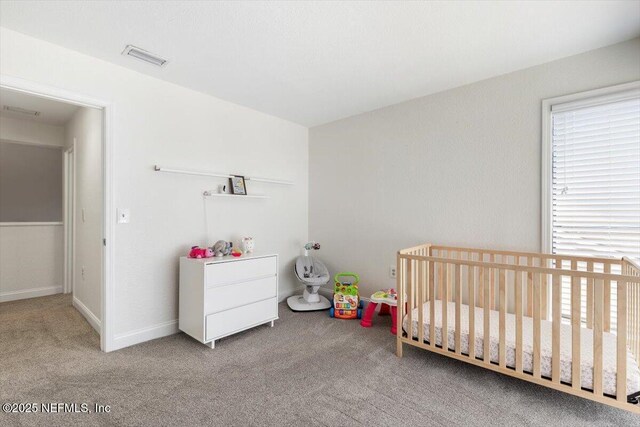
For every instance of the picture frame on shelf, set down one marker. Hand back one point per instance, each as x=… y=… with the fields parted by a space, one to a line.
x=237 y=185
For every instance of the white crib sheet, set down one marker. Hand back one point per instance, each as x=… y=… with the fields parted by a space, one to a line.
x=586 y=350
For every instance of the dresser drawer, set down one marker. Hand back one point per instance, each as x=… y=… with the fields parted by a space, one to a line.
x=230 y=321
x=239 y=271
x=229 y=296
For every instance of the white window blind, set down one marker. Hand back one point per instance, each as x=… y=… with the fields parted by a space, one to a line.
x=596 y=181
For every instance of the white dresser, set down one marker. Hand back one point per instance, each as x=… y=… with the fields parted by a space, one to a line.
x=226 y=295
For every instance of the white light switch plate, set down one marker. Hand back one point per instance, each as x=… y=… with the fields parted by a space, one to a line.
x=124 y=216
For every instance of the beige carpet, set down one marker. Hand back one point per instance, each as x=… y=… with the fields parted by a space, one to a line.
x=308 y=370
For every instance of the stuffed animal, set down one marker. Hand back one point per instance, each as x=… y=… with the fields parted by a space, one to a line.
x=247 y=244
x=221 y=248
x=198 y=252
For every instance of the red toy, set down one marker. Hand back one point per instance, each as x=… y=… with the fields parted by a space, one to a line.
x=388 y=300
x=198 y=252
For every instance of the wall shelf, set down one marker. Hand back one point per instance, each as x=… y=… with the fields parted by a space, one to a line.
x=234 y=196
x=158 y=168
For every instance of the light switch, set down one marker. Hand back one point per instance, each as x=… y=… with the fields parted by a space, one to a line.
x=124 y=215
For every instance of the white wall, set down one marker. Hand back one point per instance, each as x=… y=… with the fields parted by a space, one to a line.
x=28 y=131
x=31 y=260
x=155 y=122
x=30 y=255
x=460 y=167
x=85 y=128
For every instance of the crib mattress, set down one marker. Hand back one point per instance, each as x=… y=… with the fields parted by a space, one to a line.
x=586 y=350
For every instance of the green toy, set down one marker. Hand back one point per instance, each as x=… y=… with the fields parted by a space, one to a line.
x=346 y=299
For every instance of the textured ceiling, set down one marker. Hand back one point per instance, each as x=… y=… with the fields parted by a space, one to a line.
x=315 y=62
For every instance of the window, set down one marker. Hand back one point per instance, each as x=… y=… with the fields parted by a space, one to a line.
x=592 y=187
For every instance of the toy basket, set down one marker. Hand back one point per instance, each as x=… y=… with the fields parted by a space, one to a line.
x=346 y=302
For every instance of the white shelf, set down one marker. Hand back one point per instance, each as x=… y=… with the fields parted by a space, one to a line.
x=221 y=175
x=235 y=196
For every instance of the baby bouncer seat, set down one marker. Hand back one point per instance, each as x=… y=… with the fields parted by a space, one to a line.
x=313 y=274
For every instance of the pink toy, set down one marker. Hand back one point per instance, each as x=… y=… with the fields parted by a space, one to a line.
x=198 y=252
x=388 y=300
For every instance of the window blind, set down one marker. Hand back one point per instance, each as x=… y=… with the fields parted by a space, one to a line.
x=596 y=182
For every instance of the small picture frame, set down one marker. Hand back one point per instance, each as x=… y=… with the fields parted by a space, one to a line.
x=237 y=185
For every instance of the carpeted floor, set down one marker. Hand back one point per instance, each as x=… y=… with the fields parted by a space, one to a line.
x=307 y=370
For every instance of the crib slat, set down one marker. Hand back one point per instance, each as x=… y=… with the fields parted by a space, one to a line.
x=598 y=296
x=420 y=302
x=440 y=268
x=458 y=286
x=543 y=291
x=409 y=282
x=536 y=325
x=472 y=311
x=607 y=299
x=590 y=297
x=444 y=331
x=503 y=318
x=621 y=336
x=487 y=321
x=450 y=281
x=518 y=290
x=529 y=289
x=575 y=328
x=492 y=283
x=432 y=305
x=481 y=282
x=555 y=339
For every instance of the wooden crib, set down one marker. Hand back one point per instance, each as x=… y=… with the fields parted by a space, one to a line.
x=457 y=290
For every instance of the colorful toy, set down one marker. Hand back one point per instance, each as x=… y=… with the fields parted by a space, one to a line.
x=198 y=252
x=388 y=300
x=222 y=248
x=346 y=301
x=236 y=253
x=311 y=246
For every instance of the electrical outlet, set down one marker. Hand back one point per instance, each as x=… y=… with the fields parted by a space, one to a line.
x=83 y=216
x=83 y=272
x=392 y=271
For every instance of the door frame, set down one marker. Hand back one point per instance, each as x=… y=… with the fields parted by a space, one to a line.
x=108 y=209
x=69 y=216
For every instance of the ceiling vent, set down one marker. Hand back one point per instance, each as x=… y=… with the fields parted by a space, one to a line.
x=143 y=55
x=19 y=110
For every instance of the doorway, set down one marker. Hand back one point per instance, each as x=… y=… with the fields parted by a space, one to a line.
x=98 y=214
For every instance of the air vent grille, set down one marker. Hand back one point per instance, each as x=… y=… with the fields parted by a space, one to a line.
x=143 y=55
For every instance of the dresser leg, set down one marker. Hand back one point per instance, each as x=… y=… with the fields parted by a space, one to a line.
x=211 y=344
x=272 y=323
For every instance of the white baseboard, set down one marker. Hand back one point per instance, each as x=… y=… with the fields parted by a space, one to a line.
x=165 y=329
x=91 y=318
x=145 y=334
x=29 y=293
